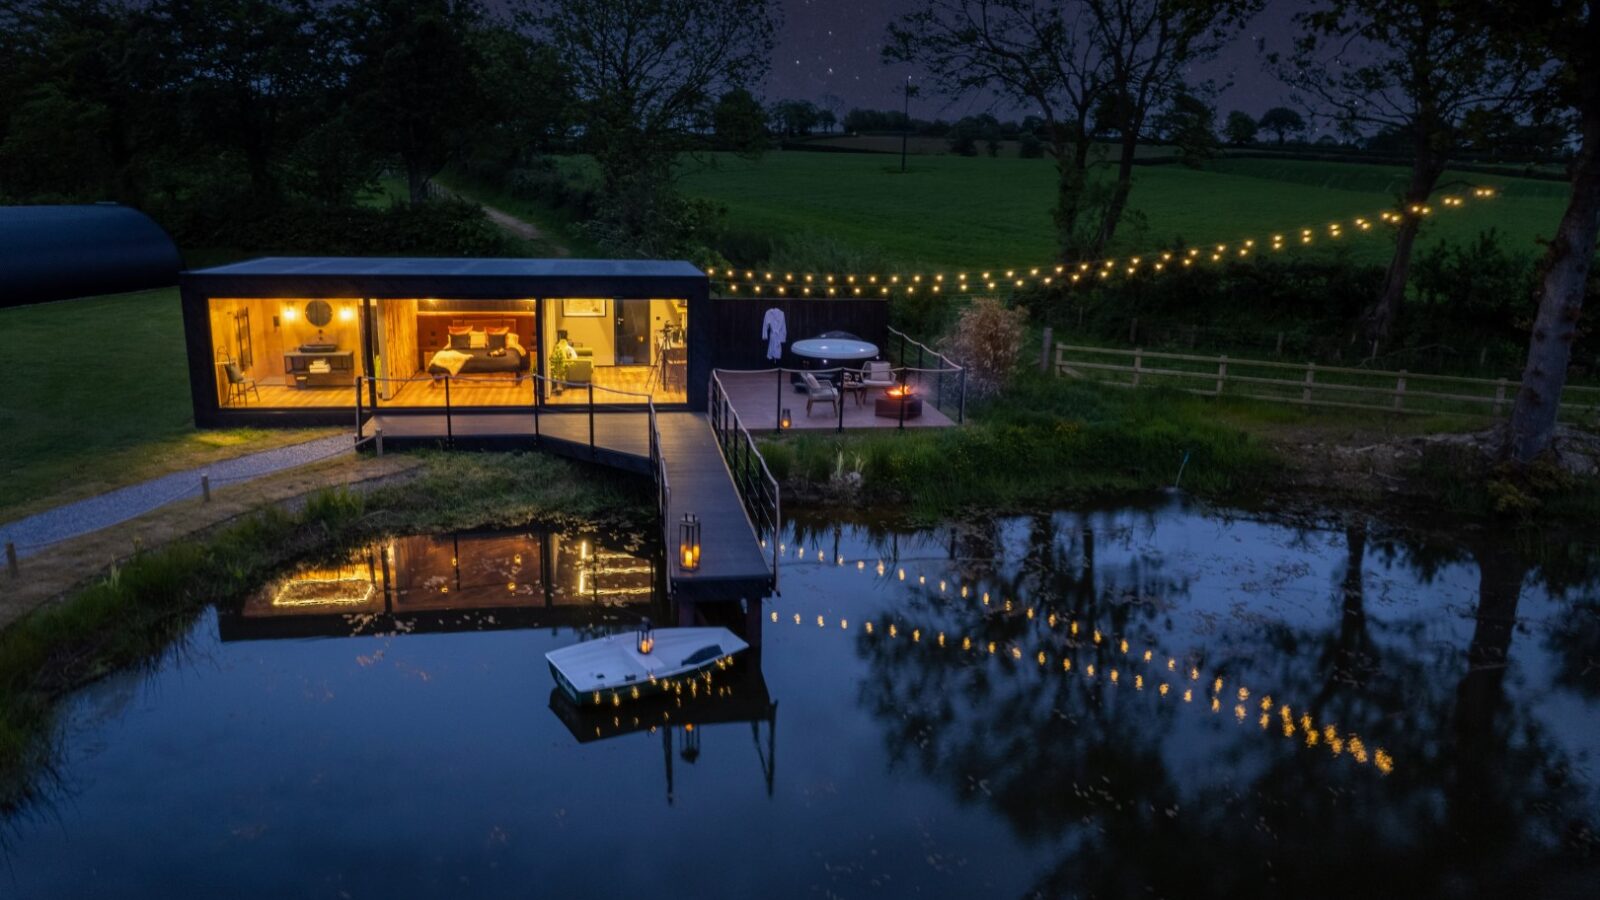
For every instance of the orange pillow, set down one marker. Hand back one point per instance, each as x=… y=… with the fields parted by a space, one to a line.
x=460 y=329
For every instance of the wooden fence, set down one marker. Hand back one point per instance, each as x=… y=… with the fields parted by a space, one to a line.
x=1308 y=384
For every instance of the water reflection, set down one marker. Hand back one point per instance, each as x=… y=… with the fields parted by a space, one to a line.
x=1145 y=701
x=466 y=581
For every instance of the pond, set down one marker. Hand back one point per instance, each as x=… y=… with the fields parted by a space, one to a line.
x=1151 y=700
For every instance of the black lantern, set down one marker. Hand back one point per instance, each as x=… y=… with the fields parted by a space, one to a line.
x=646 y=637
x=689 y=542
x=784 y=420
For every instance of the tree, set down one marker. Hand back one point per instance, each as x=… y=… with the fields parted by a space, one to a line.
x=1190 y=124
x=740 y=123
x=644 y=72
x=827 y=120
x=1421 y=66
x=1063 y=59
x=1571 y=35
x=794 y=118
x=1240 y=128
x=1282 y=121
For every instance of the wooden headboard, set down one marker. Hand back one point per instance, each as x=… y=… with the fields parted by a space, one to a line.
x=433 y=329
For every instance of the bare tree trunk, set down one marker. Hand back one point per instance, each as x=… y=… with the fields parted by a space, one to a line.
x=1380 y=317
x=1566 y=277
x=1071 y=180
x=1119 y=196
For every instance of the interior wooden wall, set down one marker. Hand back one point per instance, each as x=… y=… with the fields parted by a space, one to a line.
x=398 y=320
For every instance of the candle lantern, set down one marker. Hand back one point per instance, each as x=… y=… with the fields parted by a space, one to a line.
x=689 y=542
x=784 y=420
x=646 y=637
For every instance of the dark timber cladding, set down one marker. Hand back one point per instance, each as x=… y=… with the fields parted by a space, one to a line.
x=734 y=325
x=733 y=565
x=369 y=279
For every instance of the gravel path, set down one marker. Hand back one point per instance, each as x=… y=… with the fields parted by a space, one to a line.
x=38 y=531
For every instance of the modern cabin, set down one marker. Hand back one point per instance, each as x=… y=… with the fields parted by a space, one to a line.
x=290 y=341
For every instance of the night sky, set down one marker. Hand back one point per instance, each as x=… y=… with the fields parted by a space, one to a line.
x=833 y=47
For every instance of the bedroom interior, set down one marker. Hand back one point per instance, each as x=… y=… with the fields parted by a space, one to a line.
x=305 y=353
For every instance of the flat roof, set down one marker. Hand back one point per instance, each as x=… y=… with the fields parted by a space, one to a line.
x=444 y=267
x=400 y=277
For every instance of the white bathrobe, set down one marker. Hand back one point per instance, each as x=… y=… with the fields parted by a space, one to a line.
x=775 y=332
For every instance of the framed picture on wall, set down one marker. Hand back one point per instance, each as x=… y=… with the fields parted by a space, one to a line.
x=584 y=307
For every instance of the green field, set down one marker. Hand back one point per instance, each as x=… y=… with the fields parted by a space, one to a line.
x=112 y=411
x=958 y=212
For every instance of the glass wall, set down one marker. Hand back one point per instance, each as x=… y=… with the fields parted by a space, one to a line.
x=286 y=353
x=487 y=348
x=626 y=348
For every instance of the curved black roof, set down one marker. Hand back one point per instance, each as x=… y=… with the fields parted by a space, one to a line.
x=58 y=252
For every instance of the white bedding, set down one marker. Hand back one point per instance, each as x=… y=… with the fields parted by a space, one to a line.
x=451 y=360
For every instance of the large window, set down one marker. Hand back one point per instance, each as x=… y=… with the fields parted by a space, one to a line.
x=286 y=353
x=486 y=348
x=626 y=348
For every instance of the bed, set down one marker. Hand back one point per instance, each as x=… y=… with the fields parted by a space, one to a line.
x=481 y=347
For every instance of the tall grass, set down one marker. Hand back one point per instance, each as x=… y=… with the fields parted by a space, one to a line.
x=1044 y=441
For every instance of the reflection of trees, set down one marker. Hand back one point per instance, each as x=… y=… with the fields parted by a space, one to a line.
x=1483 y=801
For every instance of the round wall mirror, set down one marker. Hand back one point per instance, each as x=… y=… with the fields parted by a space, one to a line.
x=319 y=313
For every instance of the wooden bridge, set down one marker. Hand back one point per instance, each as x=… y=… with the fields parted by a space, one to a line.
x=702 y=463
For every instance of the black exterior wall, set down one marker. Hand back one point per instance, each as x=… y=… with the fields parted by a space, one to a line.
x=734 y=324
x=456 y=279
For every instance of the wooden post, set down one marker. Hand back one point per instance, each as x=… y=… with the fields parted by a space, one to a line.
x=1193 y=329
x=377 y=435
x=1133 y=330
x=1044 y=349
x=1138 y=363
x=1483 y=357
x=1499 y=395
x=1061 y=351
x=1400 y=391
x=1278 y=353
x=205 y=488
x=1222 y=372
x=11 y=559
x=1311 y=377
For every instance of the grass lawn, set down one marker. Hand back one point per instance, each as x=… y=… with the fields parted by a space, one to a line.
x=113 y=410
x=958 y=212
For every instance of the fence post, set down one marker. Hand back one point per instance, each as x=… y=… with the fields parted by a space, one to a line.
x=1311 y=377
x=1400 y=390
x=1138 y=363
x=205 y=488
x=1278 y=353
x=838 y=390
x=1499 y=395
x=591 y=420
x=11 y=559
x=1222 y=372
x=777 y=409
x=358 y=411
x=449 y=423
x=1044 y=349
x=378 y=436
x=1193 y=330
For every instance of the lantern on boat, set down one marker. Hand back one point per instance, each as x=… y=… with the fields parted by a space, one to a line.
x=646 y=637
x=784 y=419
x=689 y=542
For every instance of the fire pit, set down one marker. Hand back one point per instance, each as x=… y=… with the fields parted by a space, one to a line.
x=898 y=400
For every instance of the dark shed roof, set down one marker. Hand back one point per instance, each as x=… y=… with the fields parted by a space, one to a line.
x=451 y=278
x=59 y=252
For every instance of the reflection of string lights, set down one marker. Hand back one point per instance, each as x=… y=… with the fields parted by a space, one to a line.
x=1328 y=736
x=826 y=284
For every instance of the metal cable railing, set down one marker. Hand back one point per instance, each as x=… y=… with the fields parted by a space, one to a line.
x=757 y=488
x=948 y=391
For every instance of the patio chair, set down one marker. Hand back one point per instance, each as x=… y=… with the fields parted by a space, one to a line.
x=239 y=385
x=878 y=374
x=816 y=392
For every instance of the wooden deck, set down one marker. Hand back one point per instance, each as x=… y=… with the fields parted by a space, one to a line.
x=758 y=396
x=733 y=564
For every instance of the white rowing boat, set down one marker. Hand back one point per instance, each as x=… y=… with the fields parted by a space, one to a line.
x=622 y=667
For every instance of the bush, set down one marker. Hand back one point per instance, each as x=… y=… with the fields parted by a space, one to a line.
x=986 y=341
x=437 y=229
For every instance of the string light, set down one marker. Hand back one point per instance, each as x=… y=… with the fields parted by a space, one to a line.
x=1029 y=276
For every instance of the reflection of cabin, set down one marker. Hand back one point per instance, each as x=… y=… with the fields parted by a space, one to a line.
x=451 y=582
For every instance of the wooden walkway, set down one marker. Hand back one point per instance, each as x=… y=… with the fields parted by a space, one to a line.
x=733 y=562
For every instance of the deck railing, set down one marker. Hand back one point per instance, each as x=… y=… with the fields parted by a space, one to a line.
x=1308 y=384
x=949 y=379
x=751 y=477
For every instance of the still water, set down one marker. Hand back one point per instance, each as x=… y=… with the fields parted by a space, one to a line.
x=1132 y=702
